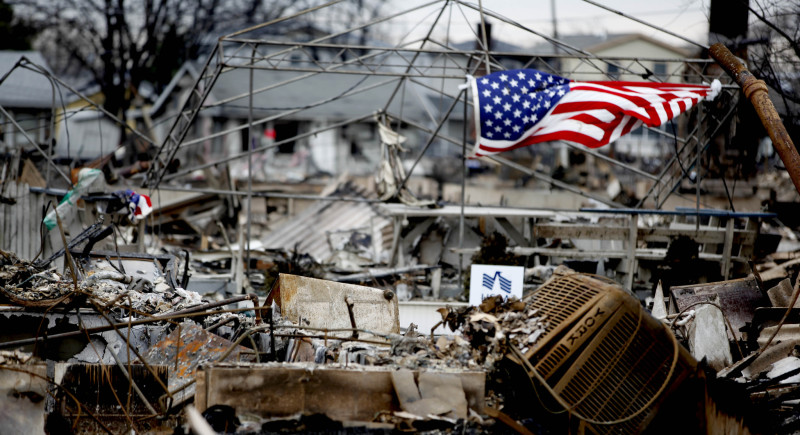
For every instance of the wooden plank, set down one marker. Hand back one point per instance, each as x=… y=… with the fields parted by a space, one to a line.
x=726 y=249
x=632 y=240
x=512 y=231
x=29 y=224
x=24 y=210
x=6 y=227
x=620 y=232
x=24 y=218
x=13 y=230
x=3 y=230
x=580 y=231
x=641 y=253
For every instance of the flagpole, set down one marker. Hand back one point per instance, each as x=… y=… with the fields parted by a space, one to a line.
x=485 y=39
x=463 y=194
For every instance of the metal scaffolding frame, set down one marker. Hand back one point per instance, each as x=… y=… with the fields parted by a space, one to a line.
x=414 y=63
x=400 y=65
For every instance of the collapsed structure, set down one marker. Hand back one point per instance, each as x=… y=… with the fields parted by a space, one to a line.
x=178 y=284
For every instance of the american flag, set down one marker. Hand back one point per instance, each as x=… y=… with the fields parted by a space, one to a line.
x=516 y=108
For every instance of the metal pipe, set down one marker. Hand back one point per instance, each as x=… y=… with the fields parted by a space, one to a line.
x=210 y=305
x=444 y=51
x=464 y=173
x=275 y=195
x=251 y=143
x=500 y=159
x=222 y=322
x=402 y=82
x=484 y=38
x=349 y=302
x=430 y=141
x=26 y=63
x=756 y=91
x=111 y=326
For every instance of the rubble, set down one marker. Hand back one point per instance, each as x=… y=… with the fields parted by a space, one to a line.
x=147 y=294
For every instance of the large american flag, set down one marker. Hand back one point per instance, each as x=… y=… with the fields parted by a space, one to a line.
x=516 y=108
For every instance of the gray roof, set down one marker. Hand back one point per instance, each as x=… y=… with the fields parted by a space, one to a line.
x=306 y=96
x=497 y=46
x=331 y=96
x=24 y=88
x=580 y=41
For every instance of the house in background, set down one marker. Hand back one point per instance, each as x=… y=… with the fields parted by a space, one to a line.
x=319 y=123
x=28 y=97
x=84 y=133
x=656 y=60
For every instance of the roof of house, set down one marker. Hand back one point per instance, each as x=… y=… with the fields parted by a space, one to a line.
x=595 y=43
x=625 y=38
x=300 y=95
x=24 y=88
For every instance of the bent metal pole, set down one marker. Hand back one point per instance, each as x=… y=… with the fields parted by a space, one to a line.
x=756 y=91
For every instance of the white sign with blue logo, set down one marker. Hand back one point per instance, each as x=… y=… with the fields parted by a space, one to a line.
x=490 y=280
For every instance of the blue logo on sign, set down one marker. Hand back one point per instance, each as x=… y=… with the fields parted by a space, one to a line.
x=505 y=283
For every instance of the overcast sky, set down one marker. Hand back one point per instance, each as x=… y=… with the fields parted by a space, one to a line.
x=686 y=17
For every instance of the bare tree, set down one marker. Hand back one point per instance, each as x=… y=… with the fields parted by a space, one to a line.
x=124 y=43
x=777 y=59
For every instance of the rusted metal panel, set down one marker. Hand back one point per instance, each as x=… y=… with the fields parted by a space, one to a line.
x=280 y=390
x=738 y=298
x=185 y=348
x=321 y=304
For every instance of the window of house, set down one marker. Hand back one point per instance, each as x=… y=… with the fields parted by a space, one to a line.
x=32 y=123
x=613 y=72
x=660 y=70
x=218 y=142
x=285 y=131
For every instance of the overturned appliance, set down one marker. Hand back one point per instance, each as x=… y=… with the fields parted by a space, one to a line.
x=602 y=356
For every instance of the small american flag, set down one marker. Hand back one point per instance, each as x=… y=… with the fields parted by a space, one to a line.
x=516 y=108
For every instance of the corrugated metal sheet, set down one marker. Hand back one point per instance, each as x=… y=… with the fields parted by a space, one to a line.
x=309 y=230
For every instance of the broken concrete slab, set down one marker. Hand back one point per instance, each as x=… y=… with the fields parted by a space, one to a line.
x=280 y=390
x=322 y=304
x=410 y=398
x=781 y=294
x=447 y=388
x=708 y=337
x=659 y=310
